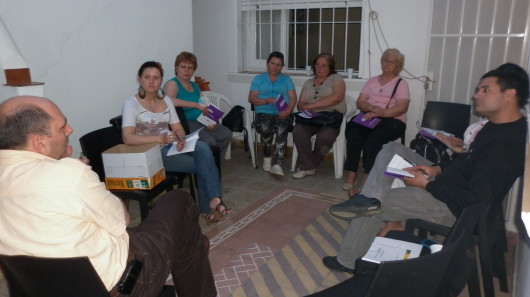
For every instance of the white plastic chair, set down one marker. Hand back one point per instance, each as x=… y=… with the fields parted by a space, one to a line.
x=339 y=147
x=251 y=133
x=224 y=104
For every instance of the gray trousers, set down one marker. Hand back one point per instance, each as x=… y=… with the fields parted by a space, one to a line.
x=219 y=136
x=397 y=204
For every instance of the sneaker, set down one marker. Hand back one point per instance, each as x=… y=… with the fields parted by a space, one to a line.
x=333 y=264
x=276 y=170
x=267 y=164
x=304 y=173
x=357 y=206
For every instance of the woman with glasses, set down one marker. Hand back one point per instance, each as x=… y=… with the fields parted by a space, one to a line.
x=150 y=117
x=186 y=94
x=324 y=94
x=377 y=99
x=274 y=98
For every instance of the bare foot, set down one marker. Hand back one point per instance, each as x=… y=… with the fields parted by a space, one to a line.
x=390 y=226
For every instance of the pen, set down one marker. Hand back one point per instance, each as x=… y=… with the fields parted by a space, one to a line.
x=411 y=163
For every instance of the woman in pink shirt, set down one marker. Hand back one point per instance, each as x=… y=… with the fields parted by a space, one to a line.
x=385 y=96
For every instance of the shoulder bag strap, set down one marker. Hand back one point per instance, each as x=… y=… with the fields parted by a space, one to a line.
x=393 y=92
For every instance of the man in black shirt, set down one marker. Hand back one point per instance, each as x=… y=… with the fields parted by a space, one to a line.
x=438 y=193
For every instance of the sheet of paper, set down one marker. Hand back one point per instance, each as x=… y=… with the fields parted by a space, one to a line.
x=387 y=249
x=191 y=141
x=396 y=165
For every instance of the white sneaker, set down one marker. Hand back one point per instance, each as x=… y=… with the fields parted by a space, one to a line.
x=304 y=173
x=277 y=170
x=267 y=164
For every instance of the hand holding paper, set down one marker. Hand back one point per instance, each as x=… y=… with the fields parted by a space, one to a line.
x=189 y=144
x=281 y=104
x=396 y=166
x=211 y=117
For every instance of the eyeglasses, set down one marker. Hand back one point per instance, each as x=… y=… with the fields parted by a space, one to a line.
x=389 y=61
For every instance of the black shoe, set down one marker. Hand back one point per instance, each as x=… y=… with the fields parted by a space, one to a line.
x=332 y=263
x=357 y=206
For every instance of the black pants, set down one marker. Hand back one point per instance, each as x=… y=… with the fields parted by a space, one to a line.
x=170 y=240
x=360 y=139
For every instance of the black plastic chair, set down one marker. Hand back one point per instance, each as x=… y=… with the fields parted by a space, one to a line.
x=96 y=142
x=29 y=276
x=463 y=269
x=440 y=276
x=419 y=277
x=447 y=116
x=489 y=236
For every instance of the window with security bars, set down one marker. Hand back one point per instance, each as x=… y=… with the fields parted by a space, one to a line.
x=301 y=29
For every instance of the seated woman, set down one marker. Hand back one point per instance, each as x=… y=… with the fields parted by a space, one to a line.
x=148 y=117
x=325 y=94
x=377 y=99
x=264 y=91
x=186 y=94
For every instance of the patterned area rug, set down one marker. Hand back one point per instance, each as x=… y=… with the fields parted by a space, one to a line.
x=275 y=246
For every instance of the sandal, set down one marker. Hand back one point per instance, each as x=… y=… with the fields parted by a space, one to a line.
x=347 y=187
x=221 y=210
x=209 y=218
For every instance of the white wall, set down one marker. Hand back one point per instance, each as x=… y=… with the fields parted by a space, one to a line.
x=405 y=24
x=215 y=41
x=88 y=52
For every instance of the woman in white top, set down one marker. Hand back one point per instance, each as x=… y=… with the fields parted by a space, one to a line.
x=150 y=117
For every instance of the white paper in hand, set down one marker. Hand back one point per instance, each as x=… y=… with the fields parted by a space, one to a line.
x=191 y=141
x=396 y=165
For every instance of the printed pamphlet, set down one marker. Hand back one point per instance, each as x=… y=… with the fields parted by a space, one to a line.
x=280 y=103
x=370 y=123
x=453 y=143
x=308 y=114
x=213 y=116
x=387 y=249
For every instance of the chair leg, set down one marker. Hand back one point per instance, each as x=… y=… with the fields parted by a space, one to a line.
x=144 y=208
x=228 y=154
x=485 y=258
x=193 y=186
x=473 y=283
x=295 y=156
x=499 y=267
x=254 y=150
x=252 y=138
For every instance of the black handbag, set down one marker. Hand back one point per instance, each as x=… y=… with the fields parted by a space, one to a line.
x=332 y=119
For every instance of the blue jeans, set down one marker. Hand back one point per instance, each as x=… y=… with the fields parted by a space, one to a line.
x=202 y=163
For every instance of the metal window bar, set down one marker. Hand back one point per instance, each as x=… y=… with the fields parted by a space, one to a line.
x=471 y=45
x=292 y=5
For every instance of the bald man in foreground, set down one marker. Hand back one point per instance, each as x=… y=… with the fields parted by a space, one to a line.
x=52 y=205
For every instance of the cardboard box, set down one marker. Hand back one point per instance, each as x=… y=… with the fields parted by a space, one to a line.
x=133 y=167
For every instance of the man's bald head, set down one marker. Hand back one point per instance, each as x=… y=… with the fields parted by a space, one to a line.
x=21 y=117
